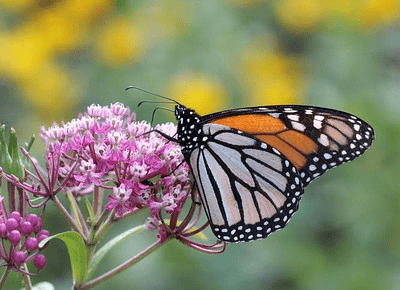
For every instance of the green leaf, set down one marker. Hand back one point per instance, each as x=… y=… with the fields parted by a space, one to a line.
x=77 y=253
x=17 y=168
x=91 y=212
x=5 y=157
x=111 y=244
x=28 y=146
x=43 y=286
x=74 y=209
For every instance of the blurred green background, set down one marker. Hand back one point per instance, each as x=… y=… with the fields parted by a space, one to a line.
x=57 y=57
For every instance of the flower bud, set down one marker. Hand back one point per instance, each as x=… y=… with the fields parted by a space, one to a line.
x=15 y=215
x=26 y=228
x=151 y=224
x=44 y=233
x=38 y=226
x=3 y=231
x=32 y=218
x=41 y=236
x=40 y=261
x=11 y=224
x=31 y=244
x=19 y=257
x=14 y=237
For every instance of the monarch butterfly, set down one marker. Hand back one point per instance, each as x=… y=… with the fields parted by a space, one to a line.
x=251 y=165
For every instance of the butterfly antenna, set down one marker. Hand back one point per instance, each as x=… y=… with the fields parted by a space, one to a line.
x=150 y=93
x=153 y=102
x=154 y=111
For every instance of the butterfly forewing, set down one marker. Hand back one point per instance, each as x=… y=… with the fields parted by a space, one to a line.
x=248 y=188
x=313 y=139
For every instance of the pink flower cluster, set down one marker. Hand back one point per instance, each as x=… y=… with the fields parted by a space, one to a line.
x=106 y=151
x=106 y=148
x=23 y=234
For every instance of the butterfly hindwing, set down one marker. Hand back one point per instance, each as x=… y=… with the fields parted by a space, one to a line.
x=248 y=188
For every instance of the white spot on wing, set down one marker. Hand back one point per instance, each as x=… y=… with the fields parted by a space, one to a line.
x=293 y=117
x=317 y=124
x=298 y=126
x=323 y=139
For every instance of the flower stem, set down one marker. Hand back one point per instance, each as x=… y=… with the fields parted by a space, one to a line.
x=104 y=227
x=97 y=200
x=4 y=277
x=68 y=217
x=11 y=196
x=121 y=267
x=22 y=203
x=26 y=279
x=80 y=221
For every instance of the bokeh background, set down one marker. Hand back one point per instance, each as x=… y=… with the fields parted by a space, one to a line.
x=56 y=57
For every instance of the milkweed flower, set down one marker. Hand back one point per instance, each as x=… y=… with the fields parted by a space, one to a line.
x=106 y=147
x=106 y=151
x=124 y=165
x=20 y=240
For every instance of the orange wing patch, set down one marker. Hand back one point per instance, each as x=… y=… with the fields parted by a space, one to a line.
x=294 y=145
x=299 y=141
x=253 y=123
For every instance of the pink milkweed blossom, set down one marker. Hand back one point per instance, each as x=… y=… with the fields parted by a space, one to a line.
x=106 y=147
x=105 y=150
x=19 y=235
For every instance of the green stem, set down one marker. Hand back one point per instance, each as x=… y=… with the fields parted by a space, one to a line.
x=4 y=277
x=100 y=219
x=121 y=267
x=68 y=217
x=80 y=221
x=91 y=248
x=27 y=280
x=98 y=194
x=11 y=196
x=104 y=227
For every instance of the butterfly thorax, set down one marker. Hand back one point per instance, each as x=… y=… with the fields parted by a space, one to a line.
x=189 y=129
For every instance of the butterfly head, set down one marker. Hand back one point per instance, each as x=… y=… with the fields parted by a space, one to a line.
x=189 y=129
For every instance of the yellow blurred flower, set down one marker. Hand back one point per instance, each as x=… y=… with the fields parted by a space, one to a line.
x=119 y=44
x=163 y=18
x=28 y=52
x=339 y=9
x=271 y=77
x=377 y=12
x=280 y=91
x=200 y=92
x=85 y=11
x=49 y=92
x=299 y=15
x=22 y=53
x=244 y=2
x=16 y=5
x=58 y=31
